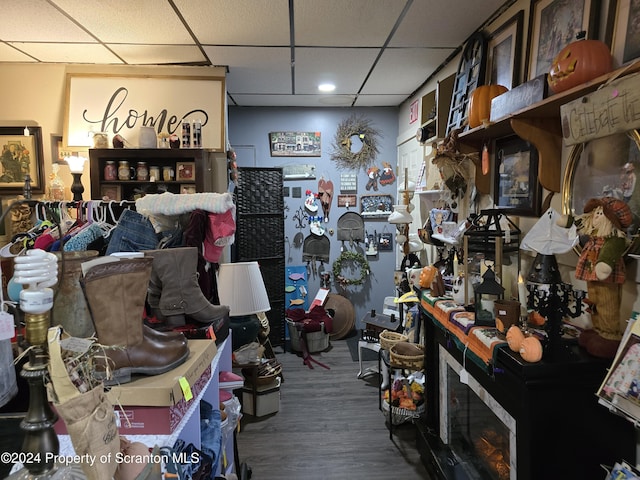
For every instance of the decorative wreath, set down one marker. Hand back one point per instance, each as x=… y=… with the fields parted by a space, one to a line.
x=342 y=154
x=357 y=259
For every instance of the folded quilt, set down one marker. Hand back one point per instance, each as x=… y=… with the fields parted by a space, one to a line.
x=176 y=204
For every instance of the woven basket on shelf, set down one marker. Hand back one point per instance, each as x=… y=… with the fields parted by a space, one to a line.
x=388 y=339
x=400 y=358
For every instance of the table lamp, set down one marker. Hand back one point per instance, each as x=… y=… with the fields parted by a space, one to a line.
x=241 y=287
x=76 y=165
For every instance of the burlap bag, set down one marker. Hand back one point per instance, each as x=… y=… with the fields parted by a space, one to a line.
x=89 y=417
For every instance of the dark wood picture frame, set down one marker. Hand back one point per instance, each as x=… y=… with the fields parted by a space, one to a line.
x=376 y=206
x=516 y=188
x=504 y=49
x=553 y=24
x=21 y=155
x=625 y=42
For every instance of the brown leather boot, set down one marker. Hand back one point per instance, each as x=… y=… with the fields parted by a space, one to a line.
x=116 y=293
x=175 y=275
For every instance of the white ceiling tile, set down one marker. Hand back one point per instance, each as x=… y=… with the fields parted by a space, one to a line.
x=409 y=68
x=158 y=54
x=346 y=67
x=69 y=53
x=379 y=100
x=287 y=101
x=127 y=21
x=437 y=23
x=238 y=22
x=254 y=70
x=10 y=54
x=356 y=23
x=38 y=21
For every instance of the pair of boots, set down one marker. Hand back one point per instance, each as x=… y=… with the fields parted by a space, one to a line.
x=174 y=294
x=116 y=293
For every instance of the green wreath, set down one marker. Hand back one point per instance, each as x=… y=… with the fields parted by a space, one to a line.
x=357 y=259
x=355 y=126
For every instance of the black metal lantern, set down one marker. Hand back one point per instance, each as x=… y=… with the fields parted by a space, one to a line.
x=485 y=295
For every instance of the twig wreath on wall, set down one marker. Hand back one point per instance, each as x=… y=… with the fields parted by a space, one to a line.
x=356 y=259
x=355 y=144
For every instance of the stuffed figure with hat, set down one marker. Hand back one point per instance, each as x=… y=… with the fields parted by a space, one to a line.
x=602 y=226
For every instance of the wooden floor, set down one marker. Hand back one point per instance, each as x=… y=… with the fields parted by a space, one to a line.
x=328 y=427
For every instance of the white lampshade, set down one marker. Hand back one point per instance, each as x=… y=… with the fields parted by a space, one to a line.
x=76 y=163
x=240 y=286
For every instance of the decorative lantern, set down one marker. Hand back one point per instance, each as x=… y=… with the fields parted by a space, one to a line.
x=485 y=296
x=492 y=238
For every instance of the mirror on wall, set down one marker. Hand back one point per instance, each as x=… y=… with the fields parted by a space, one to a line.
x=607 y=166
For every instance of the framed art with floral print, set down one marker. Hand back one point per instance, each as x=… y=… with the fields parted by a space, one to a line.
x=554 y=24
x=22 y=156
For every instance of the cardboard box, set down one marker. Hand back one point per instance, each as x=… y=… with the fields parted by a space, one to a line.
x=267 y=399
x=165 y=390
x=524 y=95
x=140 y=420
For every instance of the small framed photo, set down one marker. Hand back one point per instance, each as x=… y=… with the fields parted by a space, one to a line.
x=188 y=188
x=111 y=192
x=22 y=155
x=186 y=171
x=517 y=189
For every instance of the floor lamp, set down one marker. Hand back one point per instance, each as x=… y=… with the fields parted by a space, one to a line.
x=241 y=287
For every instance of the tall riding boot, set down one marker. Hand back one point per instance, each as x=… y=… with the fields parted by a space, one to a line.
x=115 y=293
x=175 y=276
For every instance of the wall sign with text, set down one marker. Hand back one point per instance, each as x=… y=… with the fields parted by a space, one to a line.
x=123 y=104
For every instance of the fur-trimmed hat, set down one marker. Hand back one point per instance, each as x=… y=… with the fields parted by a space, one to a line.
x=617 y=211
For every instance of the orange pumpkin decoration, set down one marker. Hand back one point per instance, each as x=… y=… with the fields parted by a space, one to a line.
x=531 y=350
x=480 y=103
x=515 y=337
x=579 y=62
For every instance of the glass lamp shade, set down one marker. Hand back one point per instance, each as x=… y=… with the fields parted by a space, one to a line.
x=76 y=163
x=240 y=286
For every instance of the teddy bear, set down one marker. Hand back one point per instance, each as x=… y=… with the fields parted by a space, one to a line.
x=602 y=229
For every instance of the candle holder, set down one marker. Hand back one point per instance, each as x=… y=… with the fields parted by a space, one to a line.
x=554 y=302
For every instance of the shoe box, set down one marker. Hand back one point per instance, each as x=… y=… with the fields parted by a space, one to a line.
x=155 y=405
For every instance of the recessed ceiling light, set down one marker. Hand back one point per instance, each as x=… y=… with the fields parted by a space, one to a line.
x=326 y=87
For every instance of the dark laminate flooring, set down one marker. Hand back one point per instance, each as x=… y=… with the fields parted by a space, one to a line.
x=328 y=427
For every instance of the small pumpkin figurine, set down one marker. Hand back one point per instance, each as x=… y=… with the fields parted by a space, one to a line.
x=480 y=103
x=579 y=62
x=531 y=349
x=515 y=337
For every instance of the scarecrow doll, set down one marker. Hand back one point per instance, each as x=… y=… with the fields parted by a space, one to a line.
x=602 y=226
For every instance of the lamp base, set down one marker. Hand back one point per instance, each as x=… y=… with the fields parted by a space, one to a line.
x=244 y=330
x=76 y=187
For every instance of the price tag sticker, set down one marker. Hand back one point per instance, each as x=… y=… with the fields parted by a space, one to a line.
x=186 y=389
x=7 y=327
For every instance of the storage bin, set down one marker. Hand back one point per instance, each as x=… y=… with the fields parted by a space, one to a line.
x=267 y=399
x=316 y=341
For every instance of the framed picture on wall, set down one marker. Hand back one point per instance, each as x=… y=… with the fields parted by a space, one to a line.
x=186 y=171
x=376 y=206
x=295 y=144
x=516 y=188
x=503 y=52
x=111 y=192
x=626 y=32
x=22 y=155
x=554 y=25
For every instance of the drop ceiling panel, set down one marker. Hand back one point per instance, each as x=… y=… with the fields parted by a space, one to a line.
x=127 y=21
x=409 y=67
x=288 y=101
x=346 y=67
x=38 y=21
x=438 y=23
x=379 y=100
x=254 y=70
x=71 y=53
x=158 y=54
x=10 y=54
x=238 y=22
x=357 y=23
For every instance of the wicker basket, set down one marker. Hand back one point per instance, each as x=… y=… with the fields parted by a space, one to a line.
x=413 y=362
x=388 y=339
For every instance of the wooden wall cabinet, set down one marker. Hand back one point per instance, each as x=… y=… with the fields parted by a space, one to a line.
x=197 y=180
x=435 y=108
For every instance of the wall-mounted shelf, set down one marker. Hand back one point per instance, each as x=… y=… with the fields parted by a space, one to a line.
x=539 y=124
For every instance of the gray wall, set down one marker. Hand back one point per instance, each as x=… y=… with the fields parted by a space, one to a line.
x=249 y=135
